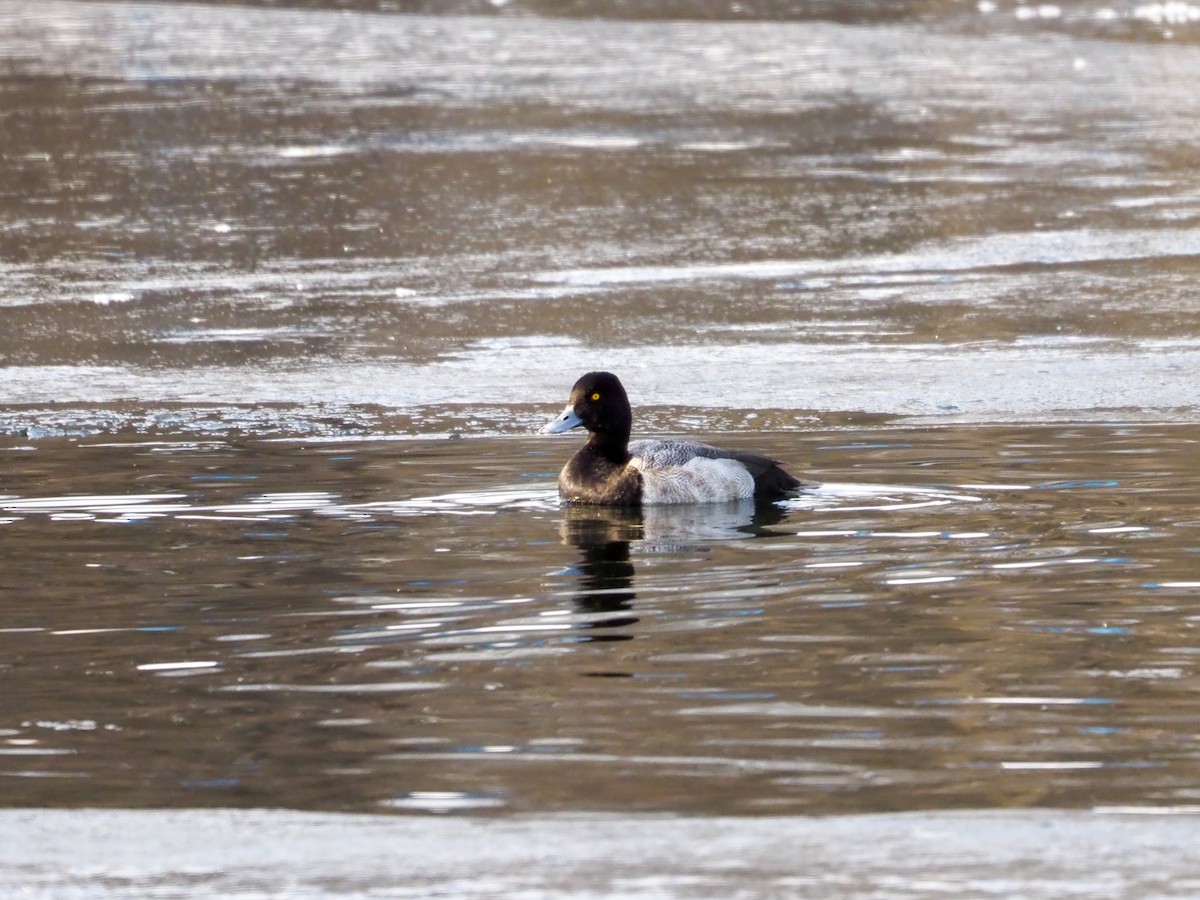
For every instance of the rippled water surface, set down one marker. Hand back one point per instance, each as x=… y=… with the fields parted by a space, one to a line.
x=997 y=617
x=285 y=292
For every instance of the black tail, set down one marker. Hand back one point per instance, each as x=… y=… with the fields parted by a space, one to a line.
x=775 y=482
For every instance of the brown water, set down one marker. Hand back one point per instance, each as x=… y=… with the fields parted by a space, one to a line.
x=957 y=618
x=258 y=266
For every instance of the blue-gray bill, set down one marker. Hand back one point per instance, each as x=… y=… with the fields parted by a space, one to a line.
x=568 y=420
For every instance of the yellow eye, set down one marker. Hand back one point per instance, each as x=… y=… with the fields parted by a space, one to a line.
x=596 y=396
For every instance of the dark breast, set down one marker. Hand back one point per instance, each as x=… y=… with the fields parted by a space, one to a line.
x=589 y=479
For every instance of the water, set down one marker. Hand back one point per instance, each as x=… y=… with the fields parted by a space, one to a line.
x=284 y=294
x=299 y=222
x=957 y=618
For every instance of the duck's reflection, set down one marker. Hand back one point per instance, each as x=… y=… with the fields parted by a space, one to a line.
x=605 y=534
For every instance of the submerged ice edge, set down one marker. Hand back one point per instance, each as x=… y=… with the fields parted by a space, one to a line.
x=695 y=518
x=270 y=505
x=852 y=497
x=799 y=379
x=123 y=282
x=1049 y=248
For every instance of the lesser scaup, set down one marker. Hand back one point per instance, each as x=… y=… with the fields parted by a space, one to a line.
x=611 y=471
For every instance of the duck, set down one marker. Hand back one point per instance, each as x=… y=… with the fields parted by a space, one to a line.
x=610 y=471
